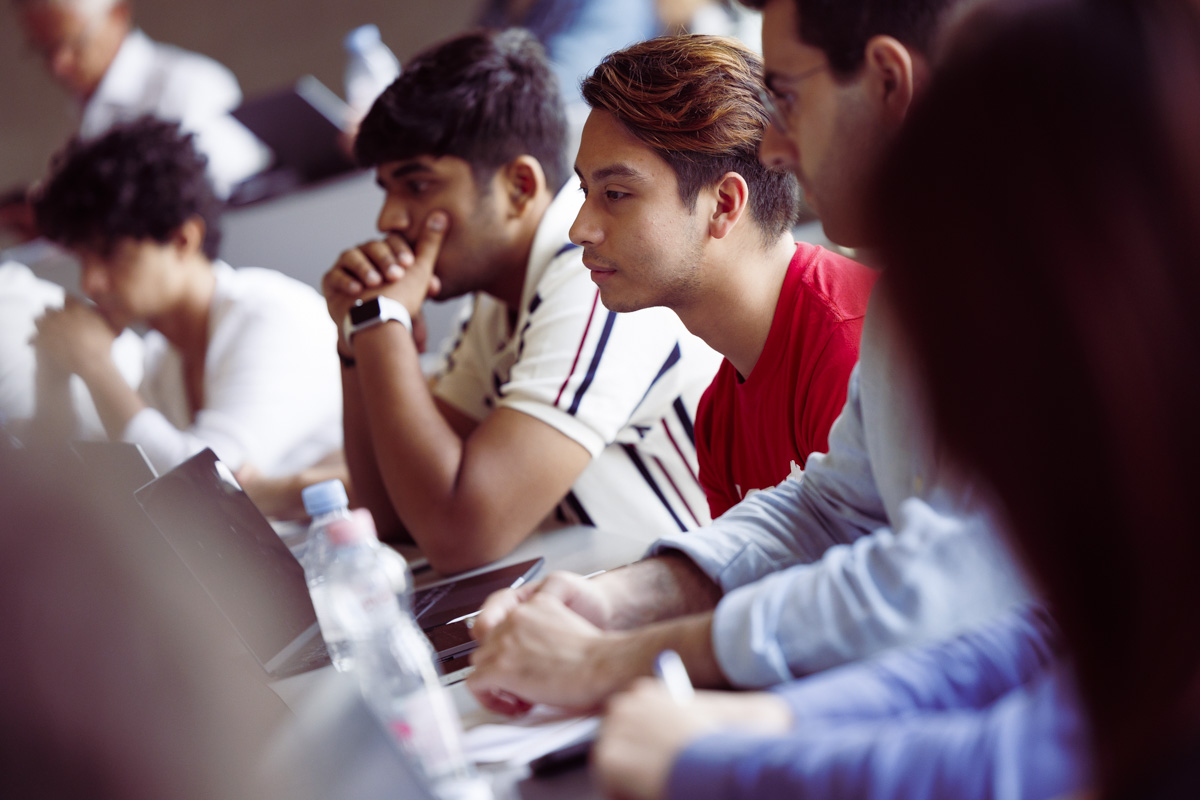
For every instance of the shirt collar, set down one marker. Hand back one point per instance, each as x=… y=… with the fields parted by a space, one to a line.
x=125 y=79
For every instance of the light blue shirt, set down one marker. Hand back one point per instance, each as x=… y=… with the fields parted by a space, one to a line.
x=577 y=34
x=881 y=543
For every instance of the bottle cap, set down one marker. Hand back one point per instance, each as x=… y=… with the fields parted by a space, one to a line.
x=361 y=38
x=359 y=528
x=324 y=496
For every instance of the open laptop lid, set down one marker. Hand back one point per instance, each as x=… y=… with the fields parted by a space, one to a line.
x=123 y=465
x=302 y=124
x=233 y=552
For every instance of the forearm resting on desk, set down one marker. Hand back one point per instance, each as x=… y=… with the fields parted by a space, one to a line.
x=650 y=590
x=545 y=653
x=466 y=494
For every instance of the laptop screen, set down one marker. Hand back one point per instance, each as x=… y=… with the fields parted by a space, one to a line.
x=232 y=551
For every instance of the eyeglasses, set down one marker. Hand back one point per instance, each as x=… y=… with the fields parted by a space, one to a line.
x=780 y=106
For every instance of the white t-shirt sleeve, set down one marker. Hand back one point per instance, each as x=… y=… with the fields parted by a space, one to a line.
x=271 y=392
x=580 y=368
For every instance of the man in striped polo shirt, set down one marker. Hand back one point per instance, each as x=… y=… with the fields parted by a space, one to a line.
x=550 y=405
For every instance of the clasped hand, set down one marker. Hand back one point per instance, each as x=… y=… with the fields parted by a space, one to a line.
x=541 y=643
x=387 y=267
x=74 y=338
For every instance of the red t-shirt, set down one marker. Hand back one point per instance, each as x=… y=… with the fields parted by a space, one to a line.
x=749 y=433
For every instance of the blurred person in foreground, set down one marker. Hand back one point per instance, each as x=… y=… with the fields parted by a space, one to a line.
x=116 y=74
x=883 y=542
x=120 y=681
x=235 y=359
x=550 y=409
x=1050 y=237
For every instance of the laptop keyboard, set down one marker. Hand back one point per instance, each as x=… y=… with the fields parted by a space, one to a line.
x=424 y=599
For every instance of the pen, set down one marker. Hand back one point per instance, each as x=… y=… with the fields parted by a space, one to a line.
x=470 y=618
x=669 y=668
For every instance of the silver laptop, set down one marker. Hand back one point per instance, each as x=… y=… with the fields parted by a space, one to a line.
x=259 y=586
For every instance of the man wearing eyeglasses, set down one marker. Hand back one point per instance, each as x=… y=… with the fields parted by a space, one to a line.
x=882 y=543
x=117 y=74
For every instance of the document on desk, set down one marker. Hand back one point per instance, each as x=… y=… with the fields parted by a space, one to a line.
x=515 y=742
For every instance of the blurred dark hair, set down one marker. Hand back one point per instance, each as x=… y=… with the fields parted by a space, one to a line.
x=1040 y=224
x=485 y=97
x=842 y=28
x=140 y=180
x=694 y=101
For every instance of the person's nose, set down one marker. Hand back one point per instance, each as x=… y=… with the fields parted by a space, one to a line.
x=93 y=280
x=777 y=150
x=394 y=217
x=584 y=230
x=61 y=63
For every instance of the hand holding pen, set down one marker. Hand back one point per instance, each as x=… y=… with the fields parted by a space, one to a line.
x=647 y=727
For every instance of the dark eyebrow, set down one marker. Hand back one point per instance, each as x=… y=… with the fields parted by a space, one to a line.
x=614 y=171
x=405 y=169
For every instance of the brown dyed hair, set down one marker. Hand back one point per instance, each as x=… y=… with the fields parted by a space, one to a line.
x=694 y=101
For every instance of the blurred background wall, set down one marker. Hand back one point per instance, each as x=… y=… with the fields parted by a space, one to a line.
x=267 y=44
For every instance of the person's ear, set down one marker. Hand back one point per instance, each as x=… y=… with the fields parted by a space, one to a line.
x=189 y=237
x=121 y=15
x=523 y=181
x=732 y=195
x=890 y=75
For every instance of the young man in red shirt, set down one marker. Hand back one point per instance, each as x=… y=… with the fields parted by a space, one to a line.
x=679 y=212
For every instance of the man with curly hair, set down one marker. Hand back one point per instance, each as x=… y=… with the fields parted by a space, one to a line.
x=237 y=360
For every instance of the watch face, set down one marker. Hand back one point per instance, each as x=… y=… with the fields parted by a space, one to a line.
x=368 y=310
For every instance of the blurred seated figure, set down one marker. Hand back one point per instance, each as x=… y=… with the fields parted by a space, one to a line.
x=120 y=681
x=1040 y=222
x=576 y=35
x=712 y=18
x=23 y=298
x=241 y=361
x=116 y=73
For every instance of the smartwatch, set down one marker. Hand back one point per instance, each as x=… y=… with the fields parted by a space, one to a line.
x=376 y=311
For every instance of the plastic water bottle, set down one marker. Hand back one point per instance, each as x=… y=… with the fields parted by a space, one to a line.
x=370 y=68
x=326 y=503
x=394 y=662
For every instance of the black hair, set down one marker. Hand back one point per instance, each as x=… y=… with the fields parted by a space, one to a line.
x=484 y=96
x=140 y=180
x=842 y=28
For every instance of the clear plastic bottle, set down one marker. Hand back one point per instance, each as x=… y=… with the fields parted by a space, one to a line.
x=394 y=661
x=326 y=503
x=370 y=68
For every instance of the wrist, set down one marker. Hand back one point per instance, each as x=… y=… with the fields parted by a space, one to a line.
x=614 y=660
x=93 y=370
x=375 y=312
